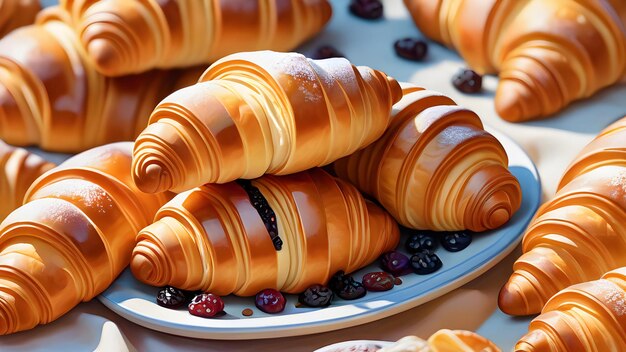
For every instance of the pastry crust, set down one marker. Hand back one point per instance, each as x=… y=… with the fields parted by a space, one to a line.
x=124 y=37
x=52 y=97
x=590 y=316
x=211 y=238
x=435 y=167
x=17 y=13
x=548 y=52
x=18 y=170
x=262 y=112
x=580 y=234
x=72 y=237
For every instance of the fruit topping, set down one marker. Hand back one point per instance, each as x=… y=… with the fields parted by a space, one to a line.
x=421 y=241
x=468 y=81
x=346 y=287
x=425 y=263
x=456 y=240
x=367 y=9
x=378 y=281
x=395 y=263
x=270 y=301
x=206 y=305
x=411 y=49
x=316 y=296
x=259 y=203
x=172 y=297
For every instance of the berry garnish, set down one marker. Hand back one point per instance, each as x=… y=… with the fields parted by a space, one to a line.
x=395 y=263
x=346 y=287
x=206 y=305
x=378 y=281
x=421 y=241
x=367 y=9
x=456 y=241
x=172 y=297
x=270 y=301
x=326 y=52
x=425 y=263
x=411 y=49
x=316 y=296
x=468 y=81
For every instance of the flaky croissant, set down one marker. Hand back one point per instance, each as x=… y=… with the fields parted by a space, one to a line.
x=435 y=167
x=548 y=52
x=280 y=232
x=262 y=112
x=132 y=36
x=51 y=96
x=72 y=237
x=580 y=234
x=18 y=170
x=17 y=13
x=589 y=317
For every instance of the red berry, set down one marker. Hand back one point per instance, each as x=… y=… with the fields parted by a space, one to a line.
x=378 y=281
x=270 y=301
x=206 y=305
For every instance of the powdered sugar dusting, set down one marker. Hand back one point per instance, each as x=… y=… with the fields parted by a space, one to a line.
x=89 y=194
x=618 y=182
x=297 y=66
x=613 y=296
x=456 y=134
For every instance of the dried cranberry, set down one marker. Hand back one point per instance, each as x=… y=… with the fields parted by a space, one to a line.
x=395 y=263
x=326 y=52
x=270 y=301
x=424 y=263
x=421 y=241
x=468 y=81
x=316 y=296
x=456 y=240
x=172 y=297
x=206 y=305
x=367 y=9
x=378 y=281
x=411 y=49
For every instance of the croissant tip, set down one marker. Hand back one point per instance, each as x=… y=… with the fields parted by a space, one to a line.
x=512 y=302
x=152 y=178
x=104 y=55
x=510 y=98
x=534 y=341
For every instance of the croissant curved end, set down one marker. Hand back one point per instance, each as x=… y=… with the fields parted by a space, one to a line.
x=396 y=89
x=513 y=299
x=496 y=210
x=105 y=55
x=7 y=316
x=515 y=102
x=534 y=341
x=151 y=176
x=148 y=265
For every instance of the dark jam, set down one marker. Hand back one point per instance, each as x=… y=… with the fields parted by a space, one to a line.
x=259 y=203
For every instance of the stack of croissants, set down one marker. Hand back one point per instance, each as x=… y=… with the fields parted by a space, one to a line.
x=168 y=151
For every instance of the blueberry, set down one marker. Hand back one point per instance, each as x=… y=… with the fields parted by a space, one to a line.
x=421 y=241
x=316 y=296
x=172 y=297
x=411 y=49
x=456 y=240
x=468 y=81
x=424 y=263
x=395 y=263
x=346 y=287
x=367 y=9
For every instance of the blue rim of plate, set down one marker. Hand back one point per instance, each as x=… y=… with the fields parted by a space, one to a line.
x=135 y=301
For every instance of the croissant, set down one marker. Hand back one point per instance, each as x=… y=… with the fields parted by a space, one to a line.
x=548 y=52
x=580 y=234
x=443 y=340
x=19 y=169
x=280 y=232
x=72 y=237
x=583 y=317
x=435 y=167
x=123 y=36
x=17 y=13
x=51 y=96
x=261 y=112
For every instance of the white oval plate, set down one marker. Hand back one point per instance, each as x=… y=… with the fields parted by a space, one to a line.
x=354 y=343
x=136 y=302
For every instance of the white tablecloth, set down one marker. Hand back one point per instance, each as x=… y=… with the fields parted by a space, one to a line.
x=550 y=143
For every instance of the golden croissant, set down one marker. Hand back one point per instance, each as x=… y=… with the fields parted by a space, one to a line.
x=548 y=53
x=51 y=96
x=580 y=234
x=132 y=36
x=280 y=232
x=17 y=13
x=443 y=340
x=435 y=167
x=18 y=170
x=262 y=112
x=590 y=317
x=72 y=237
